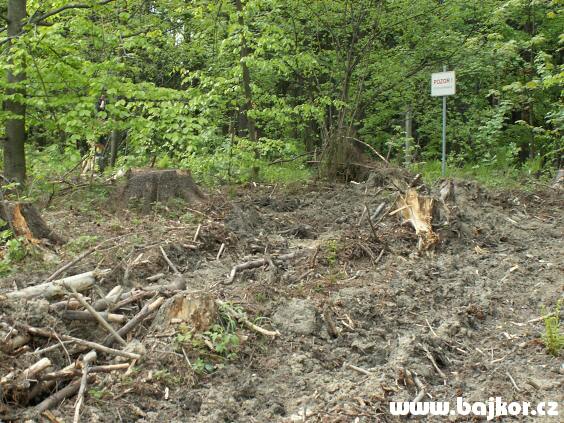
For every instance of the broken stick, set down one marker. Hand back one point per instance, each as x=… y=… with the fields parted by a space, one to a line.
x=28 y=373
x=96 y=315
x=239 y=316
x=138 y=318
x=88 y=359
x=46 y=333
x=170 y=263
x=253 y=264
x=111 y=297
x=72 y=371
x=84 y=315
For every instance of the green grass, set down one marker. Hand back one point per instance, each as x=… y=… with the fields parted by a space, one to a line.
x=489 y=176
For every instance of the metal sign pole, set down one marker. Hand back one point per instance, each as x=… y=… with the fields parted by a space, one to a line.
x=443 y=84
x=443 y=167
x=444 y=136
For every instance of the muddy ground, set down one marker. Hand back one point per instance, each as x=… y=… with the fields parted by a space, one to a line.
x=362 y=316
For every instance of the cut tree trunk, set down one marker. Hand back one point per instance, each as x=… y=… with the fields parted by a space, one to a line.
x=150 y=186
x=24 y=220
x=418 y=211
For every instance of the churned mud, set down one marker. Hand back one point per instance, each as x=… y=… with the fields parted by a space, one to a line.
x=364 y=317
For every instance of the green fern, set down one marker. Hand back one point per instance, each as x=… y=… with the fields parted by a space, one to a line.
x=553 y=337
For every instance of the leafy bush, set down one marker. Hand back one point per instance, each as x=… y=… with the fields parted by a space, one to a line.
x=15 y=250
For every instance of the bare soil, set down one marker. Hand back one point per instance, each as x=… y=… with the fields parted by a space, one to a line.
x=359 y=317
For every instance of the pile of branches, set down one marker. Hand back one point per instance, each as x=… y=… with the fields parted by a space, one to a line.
x=35 y=383
x=41 y=382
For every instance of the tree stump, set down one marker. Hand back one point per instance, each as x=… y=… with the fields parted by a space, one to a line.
x=418 y=210
x=24 y=220
x=197 y=310
x=158 y=185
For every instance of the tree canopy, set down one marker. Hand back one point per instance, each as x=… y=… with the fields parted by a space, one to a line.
x=225 y=85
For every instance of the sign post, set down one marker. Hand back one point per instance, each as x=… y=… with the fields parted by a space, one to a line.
x=443 y=84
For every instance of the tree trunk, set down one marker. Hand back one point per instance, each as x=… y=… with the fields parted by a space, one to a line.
x=23 y=219
x=14 y=149
x=408 y=134
x=244 y=52
x=115 y=139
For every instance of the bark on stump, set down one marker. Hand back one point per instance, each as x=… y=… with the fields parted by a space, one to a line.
x=153 y=185
x=24 y=220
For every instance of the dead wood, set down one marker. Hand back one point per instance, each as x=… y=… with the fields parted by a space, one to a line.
x=418 y=210
x=24 y=220
x=73 y=371
x=9 y=345
x=87 y=360
x=152 y=185
x=57 y=288
x=46 y=333
x=28 y=373
x=111 y=298
x=242 y=318
x=198 y=310
x=68 y=304
x=82 y=256
x=147 y=310
x=253 y=264
x=85 y=315
x=170 y=263
x=131 y=297
x=55 y=399
x=96 y=315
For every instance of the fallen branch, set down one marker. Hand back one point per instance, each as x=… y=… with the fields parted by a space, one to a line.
x=239 y=316
x=358 y=369
x=28 y=373
x=68 y=304
x=131 y=297
x=197 y=233
x=55 y=399
x=97 y=316
x=85 y=315
x=46 y=333
x=74 y=372
x=220 y=252
x=111 y=297
x=371 y=148
x=81 y=257
x=433 y=362
x=56 y=288
x=253 y=264
x=170 y=263
x=88 y=359
x=422 y=391
x=9 y=346
x=137 y=319
x=513 y=382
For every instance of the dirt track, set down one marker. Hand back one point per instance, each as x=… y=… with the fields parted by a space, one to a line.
x=466 y=305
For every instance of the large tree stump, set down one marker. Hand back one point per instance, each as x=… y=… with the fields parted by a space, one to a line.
x=24 y=220
x=154 y=185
